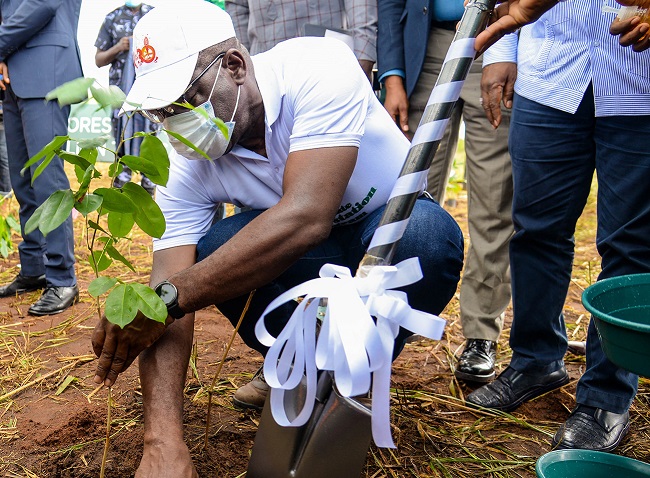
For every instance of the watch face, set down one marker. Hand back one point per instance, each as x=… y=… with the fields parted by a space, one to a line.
x=167 y=292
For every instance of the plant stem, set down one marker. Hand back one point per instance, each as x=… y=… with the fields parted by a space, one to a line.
x=223 y=359
x=107 y=443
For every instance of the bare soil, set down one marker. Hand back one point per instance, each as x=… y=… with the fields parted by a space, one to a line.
x=48 y=430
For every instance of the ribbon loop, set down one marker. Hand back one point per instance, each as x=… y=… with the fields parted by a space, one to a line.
x=355 y=347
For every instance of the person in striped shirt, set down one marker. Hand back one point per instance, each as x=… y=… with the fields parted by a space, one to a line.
x=580 y=105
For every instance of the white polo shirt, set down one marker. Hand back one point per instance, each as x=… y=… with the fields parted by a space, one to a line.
x=315 y=95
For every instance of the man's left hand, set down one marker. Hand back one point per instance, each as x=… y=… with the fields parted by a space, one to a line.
x=631 y=32
x=118 y=347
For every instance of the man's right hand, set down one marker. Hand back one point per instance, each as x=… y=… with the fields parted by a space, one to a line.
x=124 y=44
x=118 y=347
x=497 y=86
x=396 y=102
x=508 y=16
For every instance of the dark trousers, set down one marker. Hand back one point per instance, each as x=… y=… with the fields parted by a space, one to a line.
x=30 y=124
x=432 y=235
x=554 y=157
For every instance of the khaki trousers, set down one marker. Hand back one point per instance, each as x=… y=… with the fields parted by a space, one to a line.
x=485 y=284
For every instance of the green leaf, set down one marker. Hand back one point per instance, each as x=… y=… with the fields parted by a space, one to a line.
x=120 y=223
x=112 y=96
x=99 y=261
x=148 y=214
x=52 y=213
x=32 y=222
x=150 y=303
x=94 y=225
x=115 y=254
x=121 y=305
x=89 y=154
x=115 y=169
x=136 y=163
x=101 y=285
x=75 y=159
x=94 y=142
x=4 y=248
x=186 y=143
x=117 y=200
x=56 y=209
x=74 y=91
x=66 y=383
x=154 y=150
x=50 y=148
x=88 y=204
x=12 y=223
x=39 y=169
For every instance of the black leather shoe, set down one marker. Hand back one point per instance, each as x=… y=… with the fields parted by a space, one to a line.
x=22 y=284
x=476 y=363
x=55 y=300
x=591 y=428
x=513 y=388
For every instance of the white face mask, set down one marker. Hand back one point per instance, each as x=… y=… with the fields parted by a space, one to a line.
x=200 y=131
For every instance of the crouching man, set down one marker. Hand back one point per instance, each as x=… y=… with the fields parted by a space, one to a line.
x=311 y=151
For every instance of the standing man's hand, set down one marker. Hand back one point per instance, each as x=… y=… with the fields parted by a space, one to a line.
x=124 y=44
x=4 y=71
x=508 y=16
x=118 y=347
x=396 y=102
x=631 y=32
x=497 y=86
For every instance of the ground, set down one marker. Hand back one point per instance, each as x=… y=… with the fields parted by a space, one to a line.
x=53 y=418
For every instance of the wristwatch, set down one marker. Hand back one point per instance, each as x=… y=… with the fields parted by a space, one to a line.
x=169 y=294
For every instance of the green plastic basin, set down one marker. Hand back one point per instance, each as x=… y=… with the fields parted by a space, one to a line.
x=589 y=464
x=620 y=307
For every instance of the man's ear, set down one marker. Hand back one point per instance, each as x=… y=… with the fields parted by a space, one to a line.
x=235 y=62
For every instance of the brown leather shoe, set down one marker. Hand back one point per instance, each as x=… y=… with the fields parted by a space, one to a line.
x=253 y=394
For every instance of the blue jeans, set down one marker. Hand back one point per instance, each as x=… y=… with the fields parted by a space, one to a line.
x=432 y=235
x=554 y=156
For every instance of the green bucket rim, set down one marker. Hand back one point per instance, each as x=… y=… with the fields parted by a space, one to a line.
x=610 y=284
x=577 y=455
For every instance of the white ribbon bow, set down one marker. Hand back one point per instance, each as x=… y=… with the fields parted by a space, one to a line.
x=356 y=348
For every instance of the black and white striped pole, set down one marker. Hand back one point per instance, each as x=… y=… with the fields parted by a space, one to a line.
x=427 y=137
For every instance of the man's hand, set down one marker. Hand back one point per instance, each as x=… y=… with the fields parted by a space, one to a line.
x=508 y=16
x=631 y=32
x=396 y=102
x=124 y=44
x=4 y=71
x=497 y=86
x=117 y=348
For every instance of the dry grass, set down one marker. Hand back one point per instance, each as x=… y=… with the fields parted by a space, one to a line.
x=437 y=435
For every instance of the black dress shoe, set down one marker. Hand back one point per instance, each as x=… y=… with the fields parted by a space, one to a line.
x=22 y=284
x=513 y=388
x=476 y=363
x=590 y=428
x=55 y=300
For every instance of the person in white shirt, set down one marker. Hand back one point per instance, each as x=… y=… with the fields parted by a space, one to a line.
x=581 y=105
x=314 y=154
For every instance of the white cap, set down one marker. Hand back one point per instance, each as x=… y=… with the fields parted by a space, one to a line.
x=166 y=45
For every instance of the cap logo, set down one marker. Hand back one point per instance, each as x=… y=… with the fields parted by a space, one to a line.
x=146 y=54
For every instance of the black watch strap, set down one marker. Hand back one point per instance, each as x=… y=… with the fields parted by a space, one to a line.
x=169 y=294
